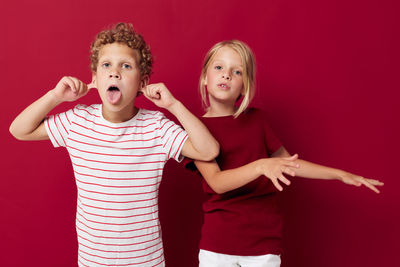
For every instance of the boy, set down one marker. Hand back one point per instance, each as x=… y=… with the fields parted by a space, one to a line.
x=117 y=151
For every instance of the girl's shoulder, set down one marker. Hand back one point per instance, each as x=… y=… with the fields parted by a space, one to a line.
x=254 y=112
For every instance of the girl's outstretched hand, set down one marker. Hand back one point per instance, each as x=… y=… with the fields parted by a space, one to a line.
x=353 y=179
x=70 y=89
x=159 y=94
x=275 y=168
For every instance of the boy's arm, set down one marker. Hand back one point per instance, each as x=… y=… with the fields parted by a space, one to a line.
x=227 y=180
x=28 y=125
x=200 y=144
x=315 y=171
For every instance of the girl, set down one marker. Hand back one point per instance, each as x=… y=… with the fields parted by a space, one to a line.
x=242 y=223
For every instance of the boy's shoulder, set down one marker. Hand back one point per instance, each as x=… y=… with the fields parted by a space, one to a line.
x=150 y=115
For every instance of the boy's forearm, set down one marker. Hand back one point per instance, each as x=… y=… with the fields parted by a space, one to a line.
x=200 y=137
x=31 y=118
x=315 y=171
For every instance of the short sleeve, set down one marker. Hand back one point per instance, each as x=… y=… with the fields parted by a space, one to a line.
x=172 y=138
x=58 y=126
x=272 y=142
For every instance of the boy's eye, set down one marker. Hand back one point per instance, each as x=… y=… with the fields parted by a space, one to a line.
x=106 y=65
x=126 y=66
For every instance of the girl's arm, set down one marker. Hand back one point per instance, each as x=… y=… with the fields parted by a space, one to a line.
x=315 y=171
x=28 y=125
x=224 y=181
x=201 y=144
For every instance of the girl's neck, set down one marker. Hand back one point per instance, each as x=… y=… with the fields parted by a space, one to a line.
x=220 y=110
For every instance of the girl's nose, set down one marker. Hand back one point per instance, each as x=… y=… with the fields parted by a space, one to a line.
x=226 y=76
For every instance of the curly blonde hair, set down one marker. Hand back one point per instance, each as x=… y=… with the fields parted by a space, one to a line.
x=125 y=34
x=249 y=72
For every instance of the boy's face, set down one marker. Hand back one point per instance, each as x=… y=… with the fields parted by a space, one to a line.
x=118 y=81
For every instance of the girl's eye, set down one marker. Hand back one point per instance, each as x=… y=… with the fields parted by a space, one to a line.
x=237 y=72
x=218 y=67
x=126 y=66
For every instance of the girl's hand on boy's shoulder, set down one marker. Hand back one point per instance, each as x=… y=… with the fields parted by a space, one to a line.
x=70 y=89
x=159 y=94
x=353 y=179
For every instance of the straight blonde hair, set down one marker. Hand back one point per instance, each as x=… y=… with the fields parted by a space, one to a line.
x=249 y=72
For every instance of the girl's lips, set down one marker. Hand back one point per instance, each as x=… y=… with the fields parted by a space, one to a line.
x=223 y=86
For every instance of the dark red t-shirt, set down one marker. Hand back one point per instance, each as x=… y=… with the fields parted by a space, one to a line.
x=245 y=221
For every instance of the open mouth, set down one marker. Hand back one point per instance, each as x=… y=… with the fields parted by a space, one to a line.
x=223 y=86
x=113 y=94
x=113 y=88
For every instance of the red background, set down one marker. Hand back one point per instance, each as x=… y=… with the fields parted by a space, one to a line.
x=327 y=75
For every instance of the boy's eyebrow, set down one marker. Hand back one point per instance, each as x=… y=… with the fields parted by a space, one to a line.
x=122 y=59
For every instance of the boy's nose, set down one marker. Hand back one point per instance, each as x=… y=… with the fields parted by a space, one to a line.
x=115 y=75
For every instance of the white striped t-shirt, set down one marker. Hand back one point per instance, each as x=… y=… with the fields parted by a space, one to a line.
x=118 y=169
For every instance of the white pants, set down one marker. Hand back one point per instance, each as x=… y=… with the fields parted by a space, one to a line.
x=212 y=259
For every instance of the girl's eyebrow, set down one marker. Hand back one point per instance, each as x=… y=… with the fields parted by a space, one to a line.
x=217 y=61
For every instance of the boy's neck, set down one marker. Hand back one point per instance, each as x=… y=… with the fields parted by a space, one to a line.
x=119 y=116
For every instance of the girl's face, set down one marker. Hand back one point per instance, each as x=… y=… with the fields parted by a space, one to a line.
x=224 y=78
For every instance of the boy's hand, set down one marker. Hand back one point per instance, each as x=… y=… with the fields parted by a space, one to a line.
x=159 y=94
x=352 y=179
x=70 y=89
x=274 y=168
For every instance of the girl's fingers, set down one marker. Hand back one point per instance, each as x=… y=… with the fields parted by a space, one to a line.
x=370 y=186
x=284 y=180
x=289 y=171
x=291 y=161
x=276 y=184
x=292 y=164
x=374 y=182
x=352 y=181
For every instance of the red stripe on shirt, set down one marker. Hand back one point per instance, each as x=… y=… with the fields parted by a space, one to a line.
x=113 y=155
x=51 y=132
x=116 y=142
x=117 y=231
x=118 y=178
x=118 y=202
x=119 y=237
x=120 y=148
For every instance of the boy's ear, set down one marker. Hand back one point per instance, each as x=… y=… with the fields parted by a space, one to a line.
x=93 y=78
x=143 y=83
